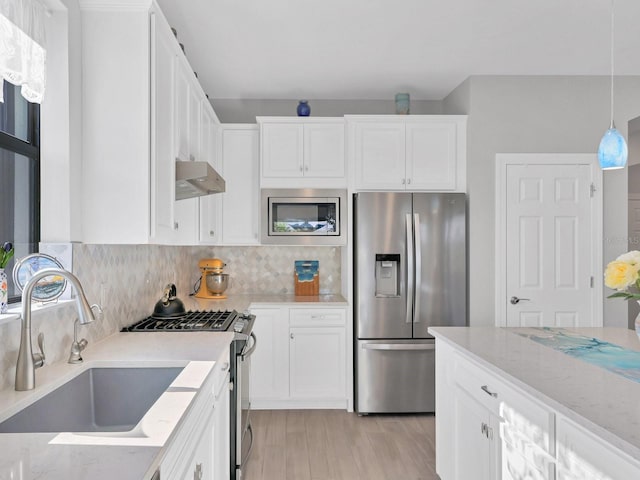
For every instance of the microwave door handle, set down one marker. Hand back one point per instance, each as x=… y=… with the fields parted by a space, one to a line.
x=410 y=266
x=418 y=267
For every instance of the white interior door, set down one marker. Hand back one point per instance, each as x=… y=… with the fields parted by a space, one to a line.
x=548 y=256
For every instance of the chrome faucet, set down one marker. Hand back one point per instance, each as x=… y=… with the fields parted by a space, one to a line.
x=79 y=345
x=27 y=360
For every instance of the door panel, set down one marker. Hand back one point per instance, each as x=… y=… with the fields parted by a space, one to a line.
x=380 y=228
x=441 y=289
x=548 y=245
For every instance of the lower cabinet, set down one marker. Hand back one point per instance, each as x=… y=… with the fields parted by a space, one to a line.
x=582 y=455
x=300 y=361
x=201 y=464
x=221 y=426
x=488 y=429
x=475 y=436
x=200 y=448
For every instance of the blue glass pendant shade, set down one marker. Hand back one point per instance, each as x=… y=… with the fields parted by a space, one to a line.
x=613 y=151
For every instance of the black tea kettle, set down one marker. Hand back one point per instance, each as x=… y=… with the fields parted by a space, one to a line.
x=169 y=305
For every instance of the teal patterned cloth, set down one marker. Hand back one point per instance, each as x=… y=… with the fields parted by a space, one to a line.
x=609 y=356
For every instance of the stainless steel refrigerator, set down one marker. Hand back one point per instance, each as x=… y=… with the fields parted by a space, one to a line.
x=410 y=274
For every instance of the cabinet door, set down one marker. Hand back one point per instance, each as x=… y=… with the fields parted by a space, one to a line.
x=195 y=120
x=474 y=439
x=582 y=456
x=162 y=132
x=317 y=362
x=324 y=150
x=379 y=152
x=210 y=205
x=182 y=98
x=202 y=464
x=240 y=202
x=269 y=377
x=431 y=156
x=282 y=150
x=221 y=433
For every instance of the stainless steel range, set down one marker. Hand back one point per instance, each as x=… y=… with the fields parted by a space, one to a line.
x=242 y=346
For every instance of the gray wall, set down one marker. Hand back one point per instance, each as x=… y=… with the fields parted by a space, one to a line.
x=246 y=111
x=537 y=114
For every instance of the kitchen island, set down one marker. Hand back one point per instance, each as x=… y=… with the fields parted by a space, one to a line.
x=134 y=455
x=537 y=403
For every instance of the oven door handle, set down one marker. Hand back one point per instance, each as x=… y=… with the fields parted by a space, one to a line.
x=248 y=353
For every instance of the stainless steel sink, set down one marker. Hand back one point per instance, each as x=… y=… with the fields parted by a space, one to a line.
x=97 y=400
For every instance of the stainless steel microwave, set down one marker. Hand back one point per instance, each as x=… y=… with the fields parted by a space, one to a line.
x=303 y=216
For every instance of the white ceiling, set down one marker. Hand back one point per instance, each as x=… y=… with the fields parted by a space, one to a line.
x=371 y=49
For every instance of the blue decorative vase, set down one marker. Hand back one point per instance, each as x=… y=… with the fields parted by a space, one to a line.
x=303 y=108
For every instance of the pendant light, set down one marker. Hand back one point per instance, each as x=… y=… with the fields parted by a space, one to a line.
x=613 y=151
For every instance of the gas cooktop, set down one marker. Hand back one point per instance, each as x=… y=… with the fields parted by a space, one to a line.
x=191 y=321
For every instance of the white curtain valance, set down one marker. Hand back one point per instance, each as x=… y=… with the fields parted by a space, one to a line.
x=22 y=47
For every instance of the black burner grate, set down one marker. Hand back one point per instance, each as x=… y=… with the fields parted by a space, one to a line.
x=192 y=321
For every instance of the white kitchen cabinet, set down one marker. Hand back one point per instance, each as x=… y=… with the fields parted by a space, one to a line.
x=200 y=448
x=317 y=349
x=486 y=428
x=418 y=152
x=476 y=441
x=269 y=377
x=301 y=356
x=582 y=455
x=240 y=202
x=210 y=205
x=221 y=419
x=143 y=114
x=298 y=152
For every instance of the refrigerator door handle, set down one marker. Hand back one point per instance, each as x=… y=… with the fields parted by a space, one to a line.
x=418 y=267
x=398 y=346
x=410 y=267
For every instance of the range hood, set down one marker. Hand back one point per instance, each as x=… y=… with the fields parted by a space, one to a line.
x=195 y=179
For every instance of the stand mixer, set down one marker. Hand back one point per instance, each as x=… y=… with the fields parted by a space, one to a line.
x=213 y=282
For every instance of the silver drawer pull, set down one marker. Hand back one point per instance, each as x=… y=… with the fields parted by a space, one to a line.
x=486 y=390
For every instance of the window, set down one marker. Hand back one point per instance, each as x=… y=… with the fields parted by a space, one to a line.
x=19 y=177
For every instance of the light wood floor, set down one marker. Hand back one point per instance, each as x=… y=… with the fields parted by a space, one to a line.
x=337 y=445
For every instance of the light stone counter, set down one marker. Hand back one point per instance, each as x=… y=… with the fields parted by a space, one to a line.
x=242 y=303
x=603 y=402
x=132 y=456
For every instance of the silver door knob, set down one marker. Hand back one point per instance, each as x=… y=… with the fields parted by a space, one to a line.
x=516 y=300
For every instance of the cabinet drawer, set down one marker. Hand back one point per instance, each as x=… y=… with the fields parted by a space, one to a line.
x=317 y=317
x=520 y=415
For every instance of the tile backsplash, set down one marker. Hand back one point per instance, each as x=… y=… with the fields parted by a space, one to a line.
x=127 y=280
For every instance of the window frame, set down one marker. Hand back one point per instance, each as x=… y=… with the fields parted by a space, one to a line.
x=31 y=150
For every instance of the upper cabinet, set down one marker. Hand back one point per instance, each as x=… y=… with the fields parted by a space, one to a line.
x=145 y=111
x=301 y=152
x=240 y=219
x=416 y=152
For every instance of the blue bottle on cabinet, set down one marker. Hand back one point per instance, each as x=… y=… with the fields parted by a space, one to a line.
x=303 y=108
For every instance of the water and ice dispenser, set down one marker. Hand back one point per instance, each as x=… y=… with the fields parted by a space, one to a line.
x=387 y=275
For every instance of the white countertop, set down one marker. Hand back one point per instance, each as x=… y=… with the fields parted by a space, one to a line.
x=241 y=303
x=65 y=456
x=603 y=402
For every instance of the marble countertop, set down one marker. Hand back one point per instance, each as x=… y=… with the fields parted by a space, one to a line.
x=605 y=403
x=242 y=302
x=63 y=456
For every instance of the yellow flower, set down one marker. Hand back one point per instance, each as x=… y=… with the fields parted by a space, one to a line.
x=632 y=258
x=620 y=275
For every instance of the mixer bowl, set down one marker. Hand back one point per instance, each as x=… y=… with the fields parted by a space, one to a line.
x=217 y=283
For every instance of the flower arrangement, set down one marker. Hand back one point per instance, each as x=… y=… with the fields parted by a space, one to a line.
x=5 y=254
x=624 y=273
